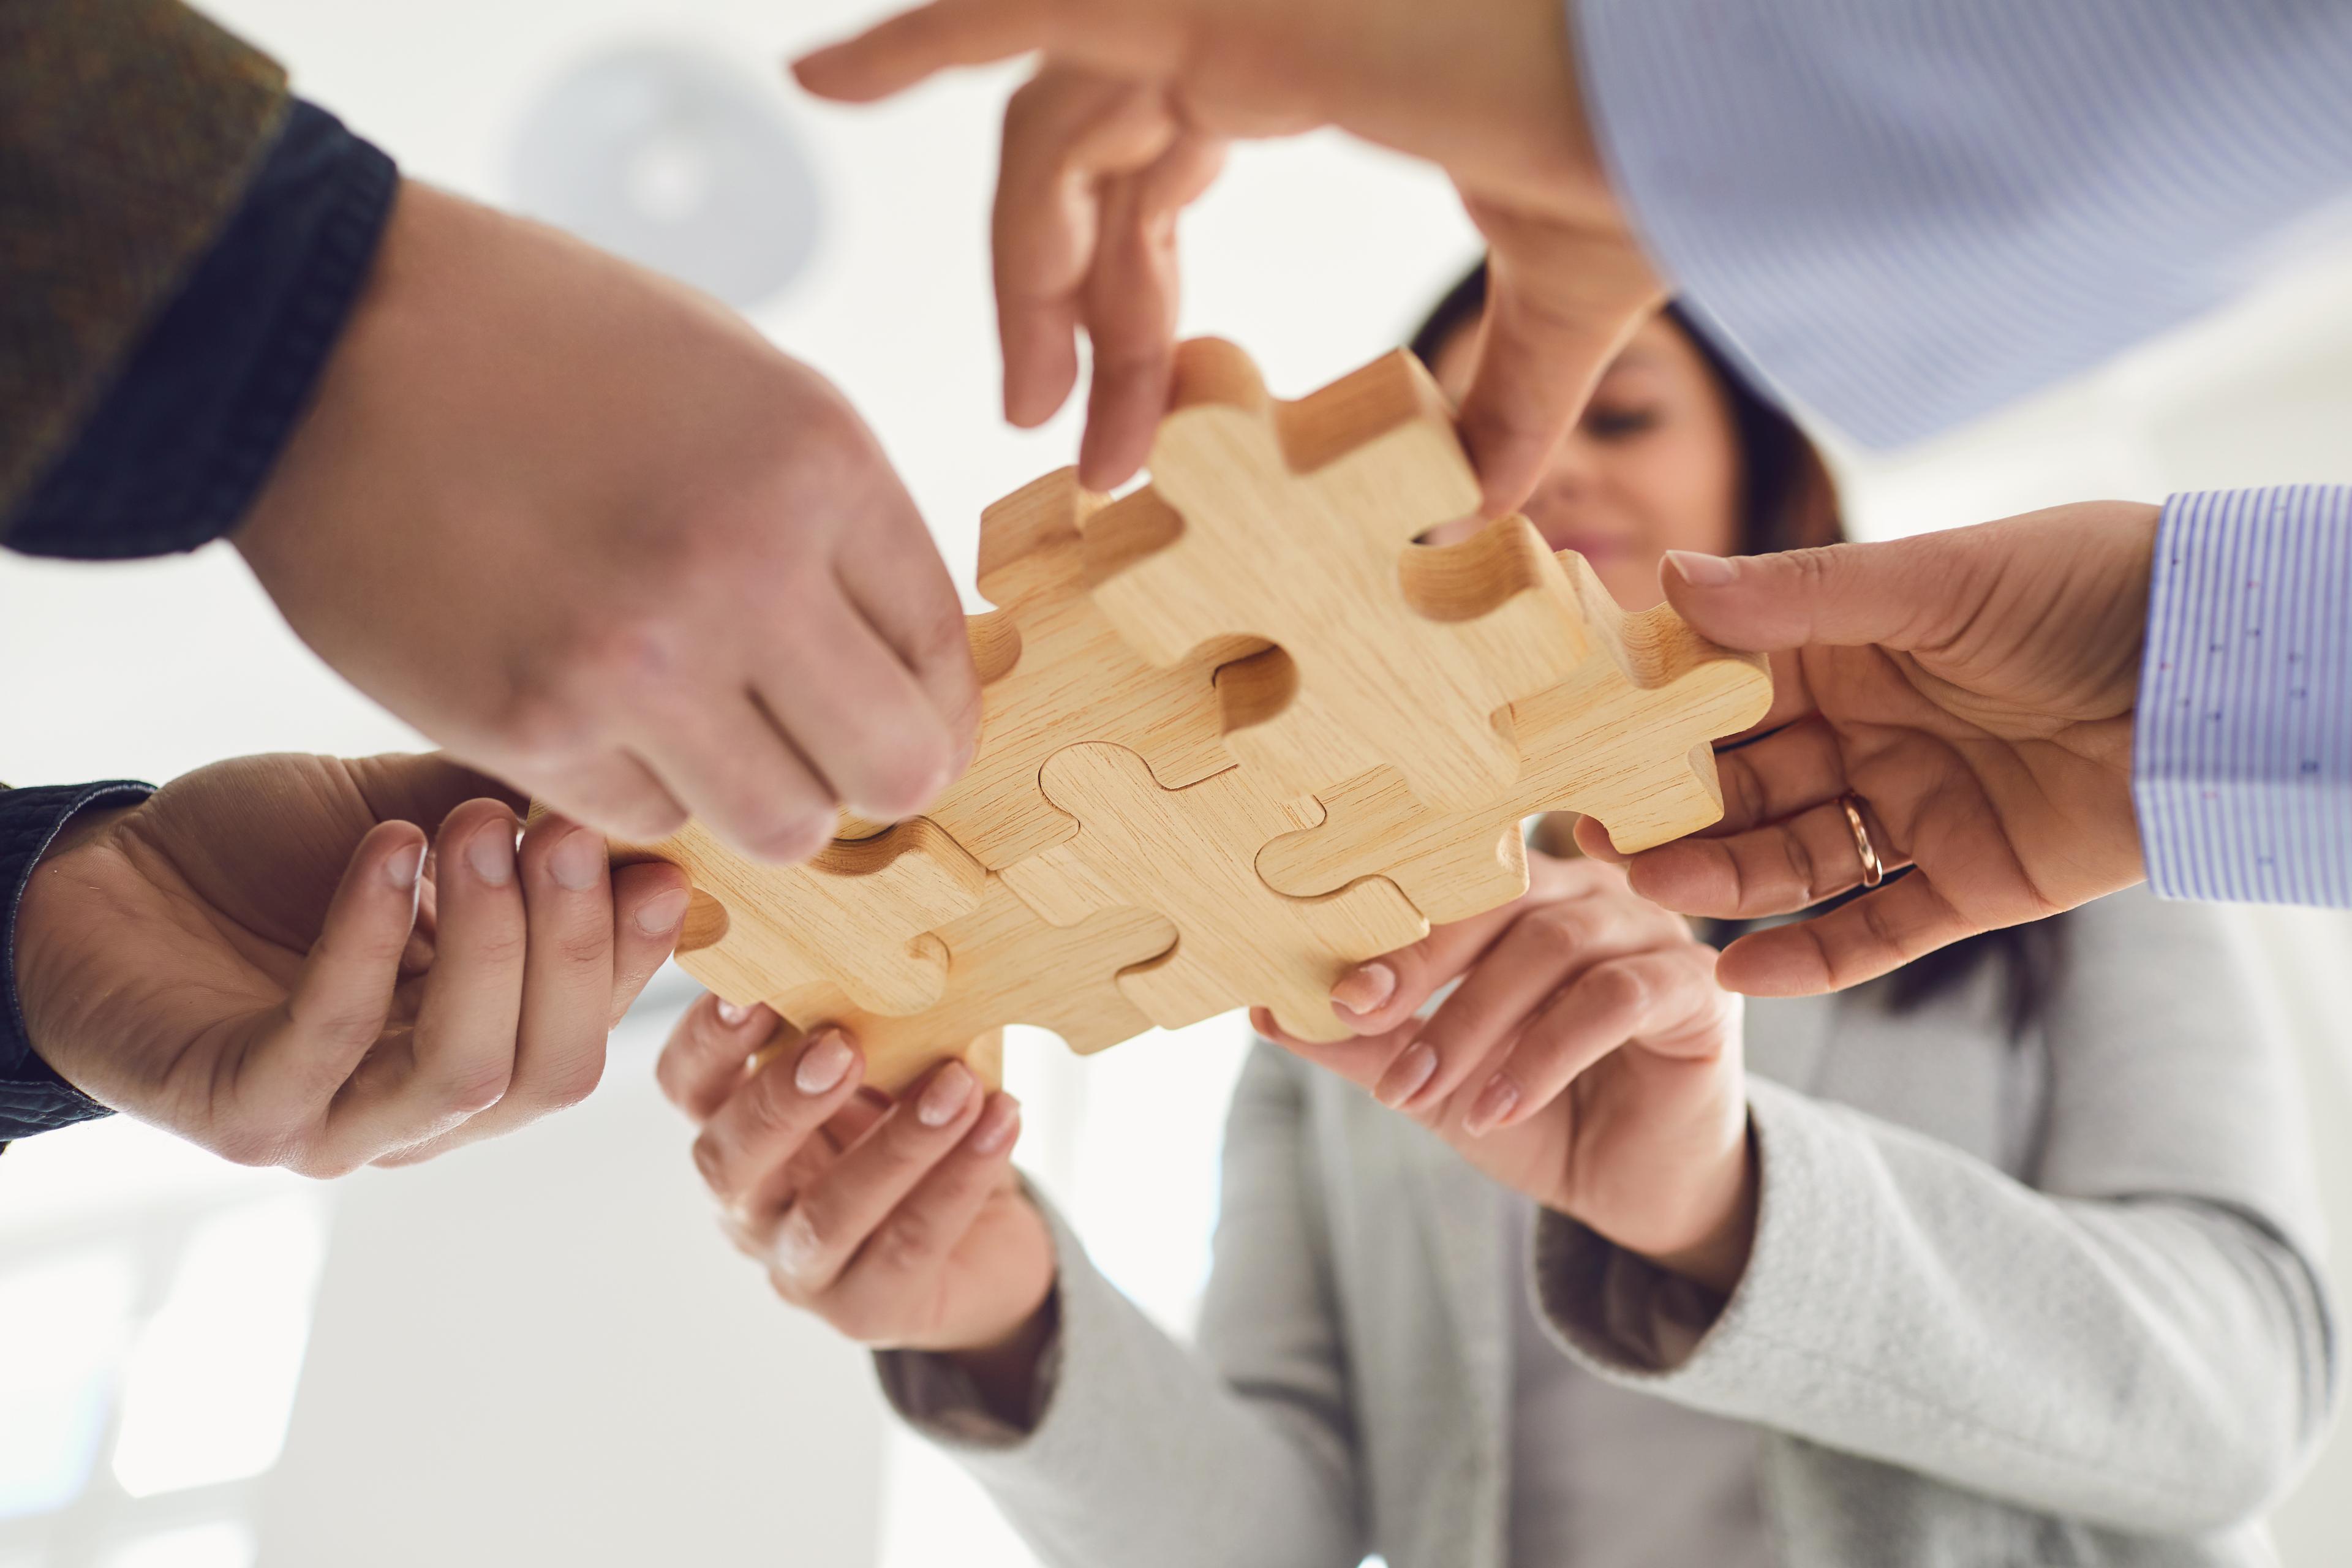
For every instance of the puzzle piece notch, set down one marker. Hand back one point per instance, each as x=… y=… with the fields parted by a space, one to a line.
x=1296 y=522
x=1626 y=740
x=1054 y=671
x=1189 y=854
x=858 y=916
x=1004 y=966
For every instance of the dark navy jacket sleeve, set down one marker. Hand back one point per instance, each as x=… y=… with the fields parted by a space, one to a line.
x=180 y=443
x=33 y=1097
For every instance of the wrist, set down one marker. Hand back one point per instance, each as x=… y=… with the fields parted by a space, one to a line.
x=1716 y=1254
x=47 y=941
x=1004 y=1369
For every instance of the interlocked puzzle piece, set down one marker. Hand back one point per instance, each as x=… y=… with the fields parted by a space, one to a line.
x=1626 y=740
x=1296 y=522
x=1226 y=720
x=1054 y=671
x=1004 y=966
x=860 y=917
x=1188 y=854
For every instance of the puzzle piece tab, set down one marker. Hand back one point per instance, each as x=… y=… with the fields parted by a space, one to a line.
x=1004 y=966
x=1188 y=854
x=1626 y=740
x=1054 y=671
x=857 y=917
x=1295 y=522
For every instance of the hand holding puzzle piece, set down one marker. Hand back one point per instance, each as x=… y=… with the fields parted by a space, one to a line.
x=1239 y=733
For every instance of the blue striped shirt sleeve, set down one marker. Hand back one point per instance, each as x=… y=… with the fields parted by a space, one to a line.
x=1907 y=213
x=2242 y=761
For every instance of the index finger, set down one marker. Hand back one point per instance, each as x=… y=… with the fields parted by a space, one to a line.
x=1561 y=301
x=709 y=1053
x=894 y=55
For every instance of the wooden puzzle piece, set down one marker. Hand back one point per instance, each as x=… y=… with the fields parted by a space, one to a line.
x=1054 y=671
x=1004 y=966
x=856 y=917
x=1626 y=740
x=1295 y=522
x=1188 y=854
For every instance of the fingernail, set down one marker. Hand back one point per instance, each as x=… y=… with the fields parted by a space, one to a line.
x=406 y=868
x=577 y=860
x=660 y=915
x=1365 y=989
x=1406 y=1075
x=996 y=1125
x=944 y=1096
x=822 y=1065
x=796 y=1245
x=490 y=853
x=1494 y=1103
x=732 y=1013
x=1703 y=571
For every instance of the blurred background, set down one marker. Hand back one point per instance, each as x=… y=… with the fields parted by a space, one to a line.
x=540 y=1348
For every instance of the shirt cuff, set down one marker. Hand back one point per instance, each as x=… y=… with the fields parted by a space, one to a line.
x=2242 y=761
x=181 y=440
x=33 y=1097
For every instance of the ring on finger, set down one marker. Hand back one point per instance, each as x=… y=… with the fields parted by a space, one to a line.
x=1873 y=871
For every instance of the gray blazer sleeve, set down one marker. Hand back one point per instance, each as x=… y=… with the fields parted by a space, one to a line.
x=2143 y=1341
x=1145 y=1453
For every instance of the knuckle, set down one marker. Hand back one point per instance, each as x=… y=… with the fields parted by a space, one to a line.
x=572 y=1083
x=789 y=835
x=907 y=1243
x=911 y=773
x=629 y=656
x=767 y=1105
x=1801 y=863
x=473 y=1087
x=543 y=726
x=1618 y=987
x=588 y=949
x=710 y=1161
x=325 y=1167
x=1569 y=923
x=257 y=1142
x=856 y=1317
x=505 y=942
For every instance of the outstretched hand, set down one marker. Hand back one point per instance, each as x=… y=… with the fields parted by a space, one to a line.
x=1972 y=691
x=264 y=958
x=1586 y=1059
x=901 y=1223
x=593 y=533
x=1127 y=122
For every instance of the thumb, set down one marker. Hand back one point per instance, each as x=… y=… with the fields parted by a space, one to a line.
x=1901 y=593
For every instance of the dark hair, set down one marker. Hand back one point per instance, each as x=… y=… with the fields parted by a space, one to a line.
x=1789 y=501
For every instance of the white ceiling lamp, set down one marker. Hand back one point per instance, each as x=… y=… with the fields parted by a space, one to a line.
x=677 y=157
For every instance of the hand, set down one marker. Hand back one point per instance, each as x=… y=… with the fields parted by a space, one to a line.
x=260 y=958
x=1973 y=689
x=1587 y=1059
x=1127 y=122
x=900 y=1224
x=590 y=532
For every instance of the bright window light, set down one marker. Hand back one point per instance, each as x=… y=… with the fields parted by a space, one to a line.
x=67 y=1323
x=224 y=1544
x=212 y=1382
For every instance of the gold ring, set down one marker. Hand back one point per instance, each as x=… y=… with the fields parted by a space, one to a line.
x=1873 y=872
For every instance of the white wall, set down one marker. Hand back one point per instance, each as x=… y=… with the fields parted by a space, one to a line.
x=541 y=1349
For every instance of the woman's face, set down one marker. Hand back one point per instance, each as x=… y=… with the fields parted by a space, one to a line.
x=1653 y=465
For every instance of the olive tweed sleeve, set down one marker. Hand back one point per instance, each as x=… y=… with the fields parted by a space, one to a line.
x=129 y=130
